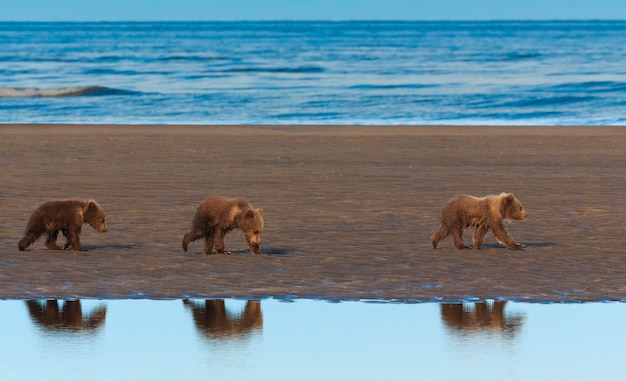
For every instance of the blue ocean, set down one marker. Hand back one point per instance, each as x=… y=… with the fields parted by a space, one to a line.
x=462 y=73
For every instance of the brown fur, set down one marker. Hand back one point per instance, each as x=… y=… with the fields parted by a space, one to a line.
x=483 y=213
x=216 y=216
x=66 y=216
x=49 y=314
x=216 y=322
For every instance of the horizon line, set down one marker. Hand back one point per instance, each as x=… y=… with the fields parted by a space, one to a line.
x=323 y=20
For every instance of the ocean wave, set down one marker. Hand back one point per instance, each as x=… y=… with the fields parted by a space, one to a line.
x=390 y=86
x=521 y=56
x=592 y=86
x=198 y=58
x=75 y=91
x=547 y=101
x=288 y=70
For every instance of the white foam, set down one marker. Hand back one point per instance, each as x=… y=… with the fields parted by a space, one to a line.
x=9 y=92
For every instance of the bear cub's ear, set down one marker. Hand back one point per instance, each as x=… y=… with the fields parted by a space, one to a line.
x=249 y=213
x=92 y=205
x=509 y=197
x=259 y=211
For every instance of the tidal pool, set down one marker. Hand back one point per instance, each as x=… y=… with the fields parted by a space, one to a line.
x=309 y=340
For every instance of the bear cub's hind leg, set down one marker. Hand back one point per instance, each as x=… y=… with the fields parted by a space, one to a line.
x=190 y=237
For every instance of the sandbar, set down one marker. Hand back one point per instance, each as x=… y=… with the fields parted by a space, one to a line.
x=349 y=211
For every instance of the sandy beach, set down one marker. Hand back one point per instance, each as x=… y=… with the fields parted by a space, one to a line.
x=349 y=211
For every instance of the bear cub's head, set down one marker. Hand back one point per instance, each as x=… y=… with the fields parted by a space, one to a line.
x=252 y=227
x=93 y=215
x=512 y=208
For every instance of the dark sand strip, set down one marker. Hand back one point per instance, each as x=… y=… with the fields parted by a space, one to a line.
x=348 y=210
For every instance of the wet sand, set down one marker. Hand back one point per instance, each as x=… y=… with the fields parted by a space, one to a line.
x=349 y=211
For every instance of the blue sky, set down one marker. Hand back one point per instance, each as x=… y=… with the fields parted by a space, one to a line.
x=175 y=10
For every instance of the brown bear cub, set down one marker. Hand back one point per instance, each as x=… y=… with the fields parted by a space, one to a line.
x=66 y=216
x=216 y=216
x=483 y=213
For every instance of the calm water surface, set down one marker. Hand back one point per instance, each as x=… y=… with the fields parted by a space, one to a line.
x=388 y=72
x=309 y=340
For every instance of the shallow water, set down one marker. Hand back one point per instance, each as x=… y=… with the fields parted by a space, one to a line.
x=270 y=339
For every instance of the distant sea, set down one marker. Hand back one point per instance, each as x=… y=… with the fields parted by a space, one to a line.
x=493 y=73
